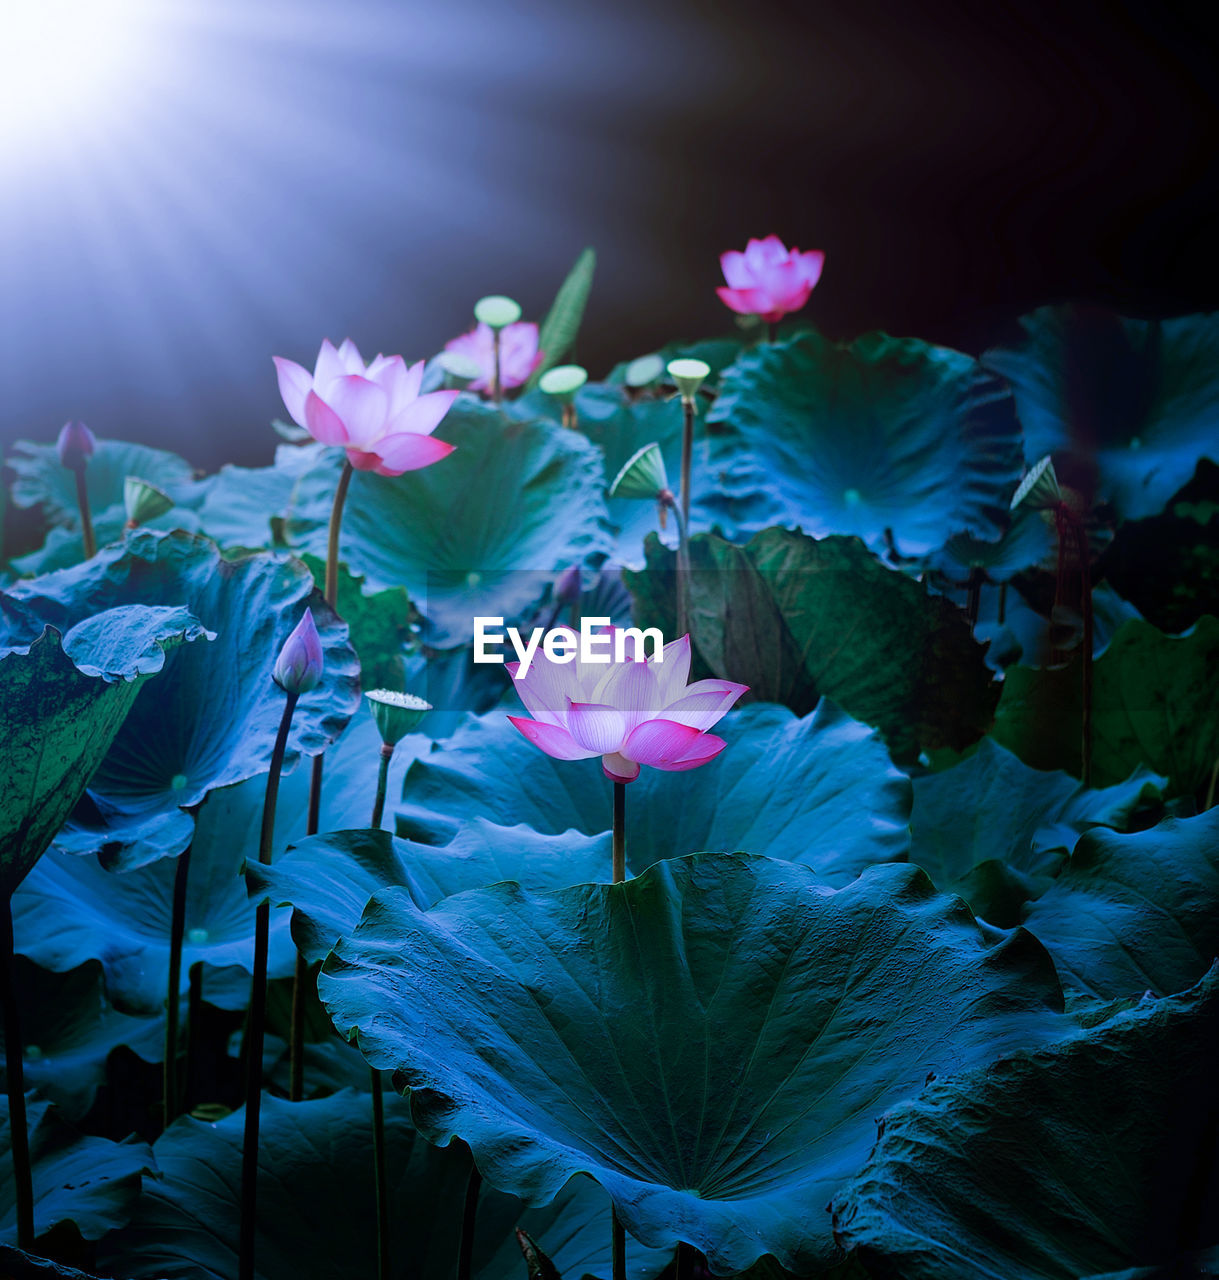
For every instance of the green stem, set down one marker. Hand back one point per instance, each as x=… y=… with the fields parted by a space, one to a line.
x=86 y=520
x=378 y=804
x=683 y=571
x=469 y=1218
x=332 y=541
x=177 y=931
x=258 y=1009
x=496 y=380
x=617 y=1246
x=296 y=1047
x=619 y=846
x=687 y=454
x=14 y=1051
x=381 y=1176
x=1210 y=790
x=194 y=1011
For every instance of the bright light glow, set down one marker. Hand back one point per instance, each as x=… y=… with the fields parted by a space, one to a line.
x=61 y=63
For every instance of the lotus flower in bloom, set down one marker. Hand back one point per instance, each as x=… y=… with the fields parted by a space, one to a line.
x=518 y=353
x=639 y=711
x=375 y=413
x=769 y=280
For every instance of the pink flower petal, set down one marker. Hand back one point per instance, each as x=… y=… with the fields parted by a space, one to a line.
x=518 y=353
x=546 y=688
x=701 y=708
x=811 y=264
x=736 y=269
x=552 y=739
x=707 y=748
x=748 y=302
x=295 y=383
x=366 y=461
x=660 y=743
x=618 y=768
x=362 y=406
x=596 y=726
x=349 y=355
x=762 y=253
x=424 y=415
x=478 y=344
x=321 y=421
x=673 y=669
x=330 y=365
x=409 y=452
x=632 y=687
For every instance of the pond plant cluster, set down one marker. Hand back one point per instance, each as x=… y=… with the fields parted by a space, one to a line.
x=870 y=932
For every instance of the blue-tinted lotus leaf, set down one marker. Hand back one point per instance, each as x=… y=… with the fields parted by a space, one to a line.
x=1126 y=407
x=1076 y=1160
x=1153 y=700
x=1028 y=542
x=571 y=1231
x=1134 y=913
x=328 y=879
x=316 y=1214
x=513 y=496
x=710 y=1040
x=90 y=1182
x=719 y=353
x=992 y=822
x=72 y=909
x=60 y=711
x=64 y=546
x=26 y=1266
x=42 y=480
x=882 y=437
x=619 y=426
x=797 y=618
x=70 y=1029
x=213 y=719
x=819 y=790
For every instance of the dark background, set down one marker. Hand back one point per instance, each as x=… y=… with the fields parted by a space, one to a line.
x=372 y=174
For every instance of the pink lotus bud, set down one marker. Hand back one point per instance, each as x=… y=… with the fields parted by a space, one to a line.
x=299 y=665
x=375 y=412
x=769 y=280
x=75 y=445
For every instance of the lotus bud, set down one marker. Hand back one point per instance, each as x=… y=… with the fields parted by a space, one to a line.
x=75 y=445
x=459 y=369
x=144 y=501
x=643 y=475
x=689 y=376
x=1039 y=490
x=496 y=311
x=299 y=665
x=396 y=714
x=645 y=371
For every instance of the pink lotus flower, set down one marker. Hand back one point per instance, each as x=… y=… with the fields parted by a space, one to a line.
x=639 y=711
x=768 y=279
x=518 y=353
x=375 y=413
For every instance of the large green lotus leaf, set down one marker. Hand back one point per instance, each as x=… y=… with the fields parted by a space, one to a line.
x=71 y=909
x=1134 y=913
x=70 y=1029
x=1082 y=1158
x=797 y=618
x=514 y=496
x=212 y=720
x=16 y=1265
x=64 y=546
x=1127 y=407
x=996 y=831
x=709 y=1040
x=63 y=702
x=884 y=438
x=328 y=879
x=1153 y=703
x=41 y=479
x=91 y=1182
x=820 y=790
x=316 y=1214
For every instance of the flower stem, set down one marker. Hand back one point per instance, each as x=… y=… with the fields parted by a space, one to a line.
x=296 y=1034
x=772 y=332
x=687 y=453
x=1210 y=790
x=86 y=520
x=258 y=1010
x=465 y=1258
x=683 y=572
x=378 y=804
x=619 y=832
x=496 y=381
x=194 y=1011
x=380 y=1175
x=617 y=1246
x=14 y=1051
x=177 y=931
